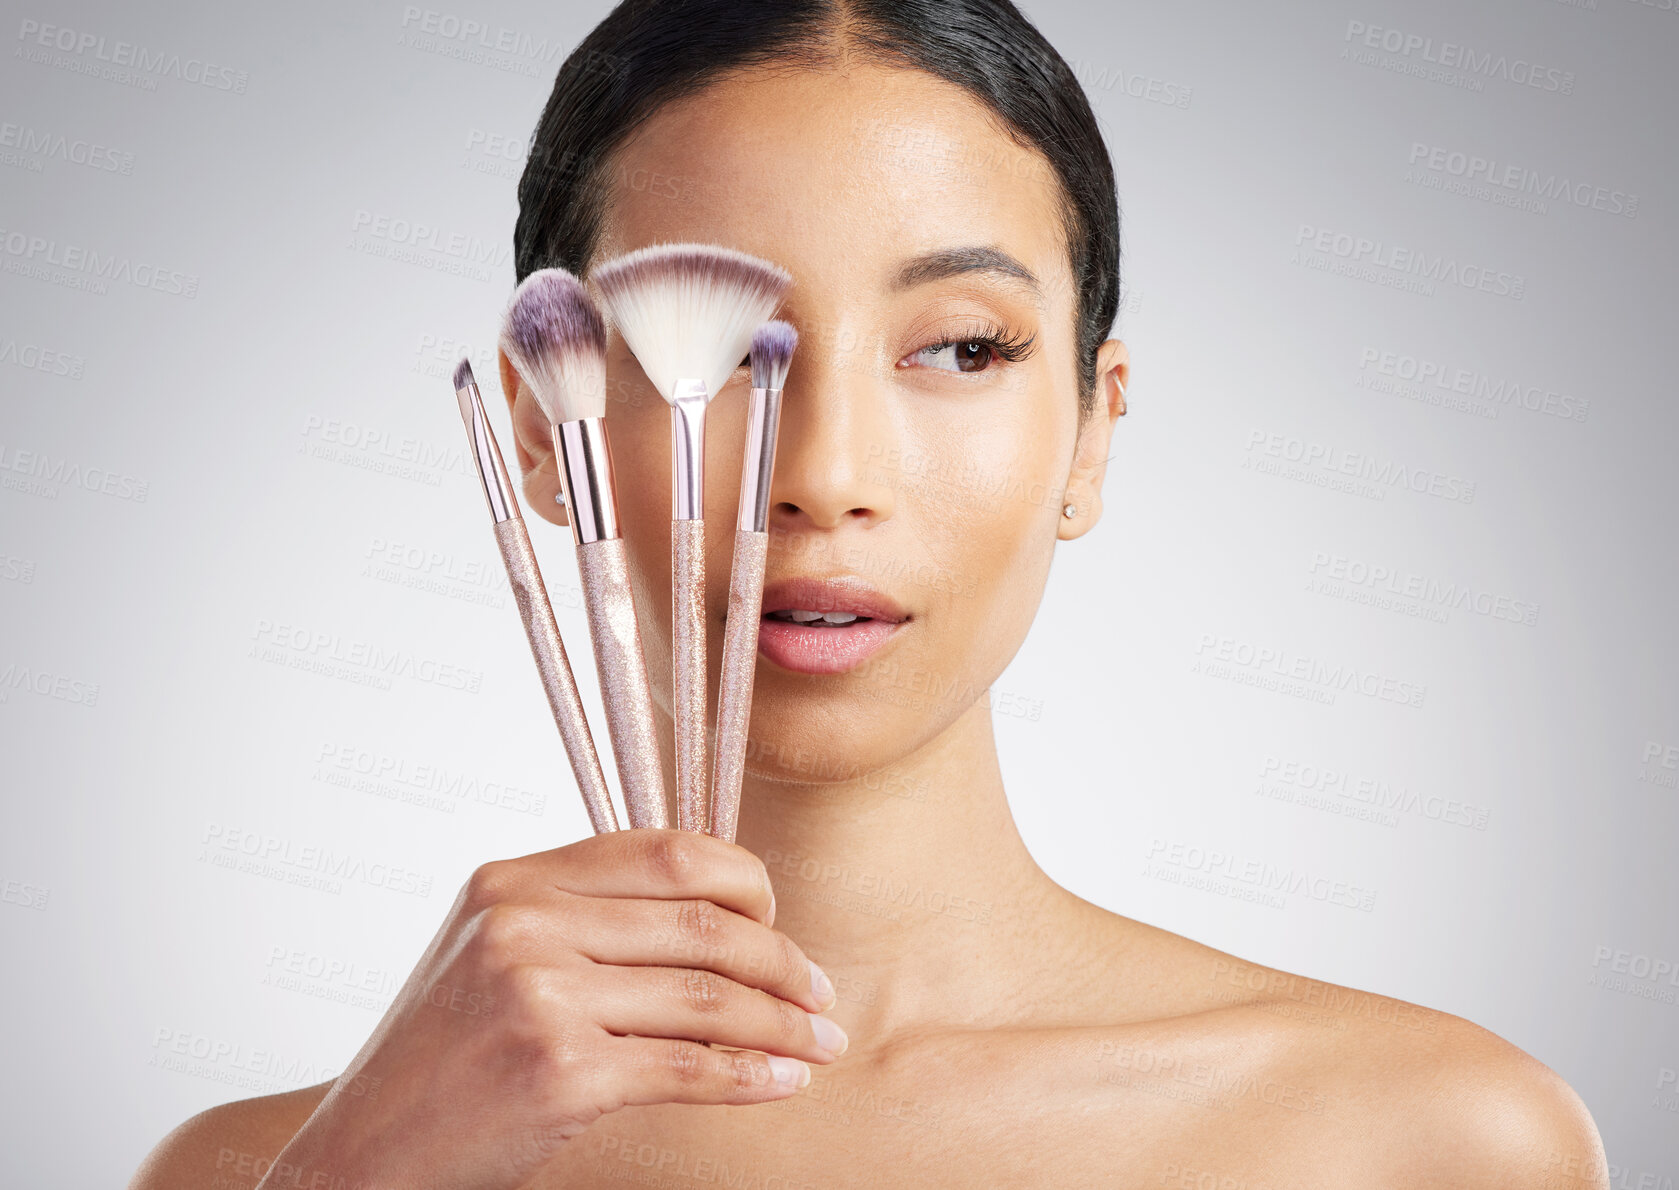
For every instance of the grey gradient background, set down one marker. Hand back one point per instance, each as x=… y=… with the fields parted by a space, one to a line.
x=291 y=432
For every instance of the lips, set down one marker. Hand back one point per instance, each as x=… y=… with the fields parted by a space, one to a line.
x=826 y=625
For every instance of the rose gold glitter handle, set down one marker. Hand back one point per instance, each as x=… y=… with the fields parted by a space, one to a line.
x=687 y=564
x=740 y=664
x=610 y=603
x=558 y=684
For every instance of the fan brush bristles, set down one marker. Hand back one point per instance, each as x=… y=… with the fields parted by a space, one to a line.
x=772 y=350
x=688 y=311
x=554 y=337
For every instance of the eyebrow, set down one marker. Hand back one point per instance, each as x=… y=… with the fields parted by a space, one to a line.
x=952 y=262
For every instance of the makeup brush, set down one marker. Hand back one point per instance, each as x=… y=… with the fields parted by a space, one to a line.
x=688 y=311
x=531 y=595
x=772 y=350
x=555 y=340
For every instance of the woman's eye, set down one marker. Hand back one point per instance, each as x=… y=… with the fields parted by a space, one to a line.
x=972 y=356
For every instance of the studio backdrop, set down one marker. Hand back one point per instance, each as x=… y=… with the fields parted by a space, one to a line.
x=1370 y=671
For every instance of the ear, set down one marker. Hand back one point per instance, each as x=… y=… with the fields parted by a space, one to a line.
x=1090 y=456
x=533 y=440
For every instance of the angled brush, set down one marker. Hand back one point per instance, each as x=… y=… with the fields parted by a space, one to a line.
x=535 y=611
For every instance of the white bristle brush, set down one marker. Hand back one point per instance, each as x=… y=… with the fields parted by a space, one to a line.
x=772 y=350
x=688 y=312
x=555 y=340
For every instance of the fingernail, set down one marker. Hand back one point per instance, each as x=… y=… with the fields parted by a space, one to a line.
x=820 y=985
x=789 y=1072
x=828 y=1035
x=771 y=920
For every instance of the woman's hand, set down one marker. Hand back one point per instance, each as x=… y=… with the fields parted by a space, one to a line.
x=562 y=986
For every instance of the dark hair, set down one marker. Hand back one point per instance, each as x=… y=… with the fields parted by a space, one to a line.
x=647 y=52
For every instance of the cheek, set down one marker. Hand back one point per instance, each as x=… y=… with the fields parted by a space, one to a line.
x=998 y=527
x=984 y=495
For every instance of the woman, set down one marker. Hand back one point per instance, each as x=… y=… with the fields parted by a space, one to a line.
x=933 y=177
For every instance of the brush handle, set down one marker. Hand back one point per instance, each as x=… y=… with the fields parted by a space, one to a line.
x=740 y=664
x=610 y=602
x=525 y=578
x=687 y=564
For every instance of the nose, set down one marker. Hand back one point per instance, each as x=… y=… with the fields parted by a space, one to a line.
x=834 y=429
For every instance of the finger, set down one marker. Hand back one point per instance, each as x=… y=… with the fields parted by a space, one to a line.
x=688 y=1003
x=647 y=862
x=658 y=1070
x=699 y=933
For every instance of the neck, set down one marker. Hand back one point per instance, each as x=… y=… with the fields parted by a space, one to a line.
x=900 y=883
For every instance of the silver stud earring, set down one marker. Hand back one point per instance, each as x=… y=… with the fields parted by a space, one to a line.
x=1069 y=510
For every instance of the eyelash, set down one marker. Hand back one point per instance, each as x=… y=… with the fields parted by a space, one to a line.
x=1010 y=346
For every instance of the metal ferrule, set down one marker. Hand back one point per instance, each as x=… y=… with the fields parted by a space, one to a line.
x=585 y=465
x=492 y=472
x=763 y=419
x=687 y=450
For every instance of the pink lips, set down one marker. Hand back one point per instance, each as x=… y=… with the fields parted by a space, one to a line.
x=826 y=648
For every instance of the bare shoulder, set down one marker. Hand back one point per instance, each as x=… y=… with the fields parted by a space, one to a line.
x=229 y=1146
x=1383 y=1091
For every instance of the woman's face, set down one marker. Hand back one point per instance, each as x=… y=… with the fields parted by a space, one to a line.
x=930 y=432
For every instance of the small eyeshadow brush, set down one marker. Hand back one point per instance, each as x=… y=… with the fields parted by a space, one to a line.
x=772 y=351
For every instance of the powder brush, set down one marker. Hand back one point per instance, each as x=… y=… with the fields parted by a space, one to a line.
x=554 y=338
